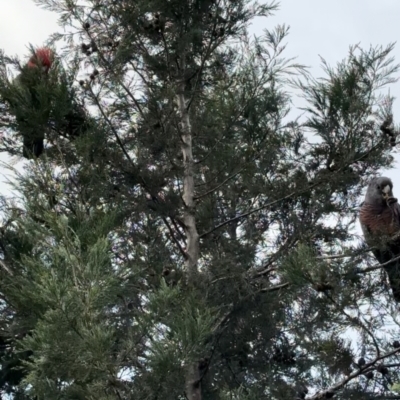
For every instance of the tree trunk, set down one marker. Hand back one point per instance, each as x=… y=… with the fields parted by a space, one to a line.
x=193 y=385
x=192 y=237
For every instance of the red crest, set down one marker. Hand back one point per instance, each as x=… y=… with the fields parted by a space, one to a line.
x=43 y=56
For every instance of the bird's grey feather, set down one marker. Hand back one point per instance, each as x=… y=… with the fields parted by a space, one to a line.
x=380 y=223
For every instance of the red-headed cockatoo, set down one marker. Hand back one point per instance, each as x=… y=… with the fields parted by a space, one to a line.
x=41 y=101
x=27 y=97
x=33 y=74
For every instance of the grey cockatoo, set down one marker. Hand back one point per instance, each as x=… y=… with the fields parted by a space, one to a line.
x=380 y=222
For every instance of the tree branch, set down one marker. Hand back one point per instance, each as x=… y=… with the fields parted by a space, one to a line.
x=341 y=384
x=218 y=186
x=256 y=210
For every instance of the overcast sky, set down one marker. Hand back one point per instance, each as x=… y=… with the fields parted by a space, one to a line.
x=317 y=28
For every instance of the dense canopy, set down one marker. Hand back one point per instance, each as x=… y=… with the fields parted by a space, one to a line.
x=179 y=237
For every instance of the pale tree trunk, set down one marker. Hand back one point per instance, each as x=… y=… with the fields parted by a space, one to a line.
x=192 y=237
x=193 y=384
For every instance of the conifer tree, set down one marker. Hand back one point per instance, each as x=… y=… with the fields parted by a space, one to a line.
x=191 y=242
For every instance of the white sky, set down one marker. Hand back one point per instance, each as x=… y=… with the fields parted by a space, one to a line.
x=317 y=27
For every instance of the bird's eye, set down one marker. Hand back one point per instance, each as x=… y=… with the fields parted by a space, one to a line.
x=378 y=187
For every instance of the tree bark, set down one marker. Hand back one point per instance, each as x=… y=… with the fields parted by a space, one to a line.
x=193 y=381
x=193 y=385
x=192 y=236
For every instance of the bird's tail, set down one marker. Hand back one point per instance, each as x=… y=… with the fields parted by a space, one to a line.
x=32 y=147
x=393 y=271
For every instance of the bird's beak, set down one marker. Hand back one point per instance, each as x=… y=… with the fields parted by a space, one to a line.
x=388 y=196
